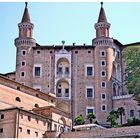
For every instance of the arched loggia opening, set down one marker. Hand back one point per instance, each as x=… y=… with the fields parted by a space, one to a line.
x=63 y=66
x=62 y=89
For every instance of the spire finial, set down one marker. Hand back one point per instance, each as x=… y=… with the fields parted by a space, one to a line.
x=26 y=3
x=101 y=4
x=63 y=42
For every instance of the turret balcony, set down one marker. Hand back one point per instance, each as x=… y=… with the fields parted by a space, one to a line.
x=19 y=42
x=102 y=41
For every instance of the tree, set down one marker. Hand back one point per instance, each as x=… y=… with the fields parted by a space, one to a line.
x=90 y=117
x=112 y=118
x=79 y=120
x=121 y=113
x=131 y=56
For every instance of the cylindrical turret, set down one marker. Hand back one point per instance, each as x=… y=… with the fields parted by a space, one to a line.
x=24 y=44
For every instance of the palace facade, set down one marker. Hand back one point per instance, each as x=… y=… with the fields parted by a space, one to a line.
x=84 y=78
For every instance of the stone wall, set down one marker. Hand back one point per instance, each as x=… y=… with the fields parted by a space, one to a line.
x=132 y=131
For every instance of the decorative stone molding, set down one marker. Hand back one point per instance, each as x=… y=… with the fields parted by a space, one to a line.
x=103 y=42
x=102 y=25
x=26 y=25
x=29 y=42
x=122 y=97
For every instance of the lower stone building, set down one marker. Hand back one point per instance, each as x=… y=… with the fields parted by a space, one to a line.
x=122 y=132
x=21 y=110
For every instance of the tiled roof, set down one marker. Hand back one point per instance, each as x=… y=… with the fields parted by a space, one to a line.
x=102 y=16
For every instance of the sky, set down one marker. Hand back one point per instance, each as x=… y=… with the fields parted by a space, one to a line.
x=72 y=22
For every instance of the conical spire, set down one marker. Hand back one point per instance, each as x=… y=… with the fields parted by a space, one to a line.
x=102 y=16
x=26 y=17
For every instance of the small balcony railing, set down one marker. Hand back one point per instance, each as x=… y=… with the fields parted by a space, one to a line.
x=62 y=95
x=63 y=74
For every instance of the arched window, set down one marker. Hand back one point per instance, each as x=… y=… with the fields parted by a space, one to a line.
x=118 y=72
x=18 y=99
x=114 y=90
x=114 y=70
x=36 y=105
x=132 y=113
x=62 y=89
x=119 y=91
x=63 y=66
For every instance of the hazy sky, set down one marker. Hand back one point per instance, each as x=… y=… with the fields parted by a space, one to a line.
x=72 y=22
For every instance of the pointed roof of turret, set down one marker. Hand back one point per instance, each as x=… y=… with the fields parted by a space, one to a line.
x=26 y=16
x=102 y=16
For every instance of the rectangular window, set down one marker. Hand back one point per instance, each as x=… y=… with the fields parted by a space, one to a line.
x=59 y=90
x=132 y=114
x=103 y=96
x=103 y=84
x=28 y=131
x=29 y=118
x=103 y=73
x=118 y=54
x=89 y=109
x=23 y=52
x=36 y=134
x=23 y=63
x=103 y=63
x=89 y=71
x=59 y=94
x=2 y=116
x=22 y=74
x=1 y=130
x=38 y=71
x=55 y=127
x=67 y=70
x=102 y=53
x=59 y=70
x=114 y=51
x=49 y=126
x=89 y=92
x=66 y=90
x=20 y=129
x=103 y=107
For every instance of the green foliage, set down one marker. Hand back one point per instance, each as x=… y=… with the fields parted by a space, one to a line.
x=79 y=120
x=90 y=117
x=112 y=118
x=132 y=122
x=131 y=56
